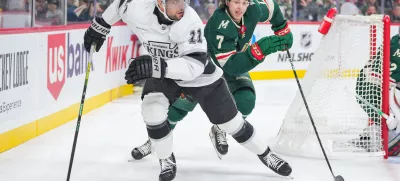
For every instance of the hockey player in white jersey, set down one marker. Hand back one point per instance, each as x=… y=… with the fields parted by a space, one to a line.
x=172 y=33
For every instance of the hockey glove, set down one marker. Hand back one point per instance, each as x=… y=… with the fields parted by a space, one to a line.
x=144 y=67
x=266 y=46
x=96 y=34
x=392 y=122
x=284 y=32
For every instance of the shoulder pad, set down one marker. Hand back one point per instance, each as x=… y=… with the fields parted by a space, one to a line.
x=180 y=30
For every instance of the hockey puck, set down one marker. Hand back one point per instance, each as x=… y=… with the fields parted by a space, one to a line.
x=339 y=178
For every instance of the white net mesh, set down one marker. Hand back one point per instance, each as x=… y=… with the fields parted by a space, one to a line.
x=347 y=126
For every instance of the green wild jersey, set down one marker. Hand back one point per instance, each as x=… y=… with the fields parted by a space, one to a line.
x=366 y=84
x=395 y=58
x=375 y=67
x=225 y=42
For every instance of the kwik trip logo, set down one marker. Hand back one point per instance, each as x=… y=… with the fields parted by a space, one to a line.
x=117 y=55
x=65 y=59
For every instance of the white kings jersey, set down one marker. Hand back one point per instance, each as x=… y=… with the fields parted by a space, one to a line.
x=181 y=44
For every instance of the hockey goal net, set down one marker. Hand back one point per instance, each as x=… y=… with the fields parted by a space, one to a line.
x=352 y=59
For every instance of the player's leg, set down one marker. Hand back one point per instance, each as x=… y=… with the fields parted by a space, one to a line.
x=243 y=93
x=156 y=98
x=181 y=107
x=394 y=122
x=394 y=143
x=368 y=90
x=176 y=113
x=219 y=106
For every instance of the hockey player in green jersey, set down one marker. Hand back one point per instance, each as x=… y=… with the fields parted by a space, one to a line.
x=368 y=80
x=228 y=33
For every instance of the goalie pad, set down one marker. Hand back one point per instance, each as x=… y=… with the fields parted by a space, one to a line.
x=394 y=104
x=394 y=143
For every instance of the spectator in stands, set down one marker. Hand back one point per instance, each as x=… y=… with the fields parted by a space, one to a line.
x=210 y=8
x=54 y=14
x=327 y=5
x=371 y=10
x=349 y=8
x=286 y=8
x=395 y=16
x=101 y=6
x=368 y=5
x=71 y=4
x=41 y=10
x=310 y=10
x=200 y=7
x=84 y=12
x=15 y=4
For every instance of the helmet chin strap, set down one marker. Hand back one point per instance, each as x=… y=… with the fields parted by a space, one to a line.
x=165 y=11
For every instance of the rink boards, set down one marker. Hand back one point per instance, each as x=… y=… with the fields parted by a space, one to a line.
x=42 y=73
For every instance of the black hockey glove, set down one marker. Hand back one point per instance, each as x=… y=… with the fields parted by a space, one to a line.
x=96 y=34
x=144 y=67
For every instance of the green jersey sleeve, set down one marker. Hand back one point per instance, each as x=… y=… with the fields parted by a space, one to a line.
x=395 y=58
x=222 y=38
x=269 y=12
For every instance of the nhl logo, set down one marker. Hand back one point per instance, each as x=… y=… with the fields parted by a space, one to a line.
x=305 y=41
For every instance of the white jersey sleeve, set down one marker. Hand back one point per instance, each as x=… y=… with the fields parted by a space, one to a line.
x=111 y=14
x=192 y=47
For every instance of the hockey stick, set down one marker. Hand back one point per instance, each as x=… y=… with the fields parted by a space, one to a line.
x=338 y=177
x=80 y=111
x=380 y=112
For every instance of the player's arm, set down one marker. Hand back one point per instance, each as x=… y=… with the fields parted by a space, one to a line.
x=233 y=62
x=192 y=48
x=191 y=62
x=269 y=11
x=111 y=14
x=100 y=27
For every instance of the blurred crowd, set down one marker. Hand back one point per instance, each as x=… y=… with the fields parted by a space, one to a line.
x=60 y=12
x=315 y=10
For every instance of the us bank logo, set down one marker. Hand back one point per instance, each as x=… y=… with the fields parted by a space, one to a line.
x=65 y=59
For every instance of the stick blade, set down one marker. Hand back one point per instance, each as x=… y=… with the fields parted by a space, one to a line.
x=339 y=178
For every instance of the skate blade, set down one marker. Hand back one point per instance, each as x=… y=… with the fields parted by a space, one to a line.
x=133 y=160
x=289 y=177
x=214 y=145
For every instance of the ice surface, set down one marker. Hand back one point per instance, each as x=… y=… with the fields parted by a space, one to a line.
x=108 y=134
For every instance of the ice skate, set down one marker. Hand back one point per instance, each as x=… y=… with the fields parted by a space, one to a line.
x=275 y=163
x=142 y=151
x=369 y=139
x=168 y=168
x=218 y=139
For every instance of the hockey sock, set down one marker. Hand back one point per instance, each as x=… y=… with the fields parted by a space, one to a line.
x=175 y=115
x=244 y=133
x=180 y=109
x=154 y=112
x=161 y=138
